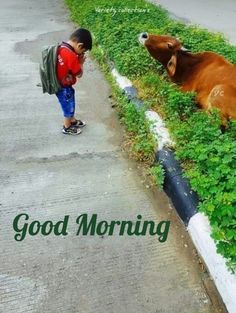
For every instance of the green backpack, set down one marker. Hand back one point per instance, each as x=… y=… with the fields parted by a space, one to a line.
x=47 y=70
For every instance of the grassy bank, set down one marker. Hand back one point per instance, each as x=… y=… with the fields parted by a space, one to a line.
x=207 y=155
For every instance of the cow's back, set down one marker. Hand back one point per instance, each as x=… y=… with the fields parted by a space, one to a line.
x=212 y=70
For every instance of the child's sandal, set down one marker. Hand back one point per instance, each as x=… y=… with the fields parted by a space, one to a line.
x=71 y=130
x=78 y=123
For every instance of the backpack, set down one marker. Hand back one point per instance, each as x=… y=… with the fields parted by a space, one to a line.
x=47 y=70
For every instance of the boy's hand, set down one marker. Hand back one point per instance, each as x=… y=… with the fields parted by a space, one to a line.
x=82 y=58
x=80 y=74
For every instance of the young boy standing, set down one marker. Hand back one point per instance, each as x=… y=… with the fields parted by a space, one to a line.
x=71 y=57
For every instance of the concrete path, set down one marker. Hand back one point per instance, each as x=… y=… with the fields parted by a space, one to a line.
x=216 y=15
x=49 y=175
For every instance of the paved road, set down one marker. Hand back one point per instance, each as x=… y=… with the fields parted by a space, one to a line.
x=216 y=15
x=49 y=175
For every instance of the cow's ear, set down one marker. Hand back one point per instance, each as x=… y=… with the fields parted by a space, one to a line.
x=170 y=45
x=171 y=66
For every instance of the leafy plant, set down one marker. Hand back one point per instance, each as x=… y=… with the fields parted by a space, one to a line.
x=207 y=154
x=158 y=175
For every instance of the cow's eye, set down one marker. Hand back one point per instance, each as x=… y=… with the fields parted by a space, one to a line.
x=170 y=45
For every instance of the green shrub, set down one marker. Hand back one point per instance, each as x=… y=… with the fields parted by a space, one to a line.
x=158 y=175
x=207 y=154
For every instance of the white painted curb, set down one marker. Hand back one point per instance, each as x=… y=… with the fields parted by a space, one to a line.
x=122 y=81
x=159 y=130
x=199 y=230
x=198 y=227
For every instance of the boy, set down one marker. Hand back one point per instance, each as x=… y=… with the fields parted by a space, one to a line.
x=71 y=57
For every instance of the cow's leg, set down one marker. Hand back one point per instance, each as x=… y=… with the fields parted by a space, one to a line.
x=223 y=97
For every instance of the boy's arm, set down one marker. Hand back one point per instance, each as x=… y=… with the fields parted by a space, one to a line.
x=82 y=59
x=76 y=67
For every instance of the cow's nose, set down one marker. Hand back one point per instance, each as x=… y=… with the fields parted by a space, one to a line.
x=142 y=38
x=144 y=35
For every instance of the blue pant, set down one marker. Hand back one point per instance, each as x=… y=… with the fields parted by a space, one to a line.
x=66 y=97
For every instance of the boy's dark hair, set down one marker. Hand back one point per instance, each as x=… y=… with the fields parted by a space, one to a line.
x=82 y=35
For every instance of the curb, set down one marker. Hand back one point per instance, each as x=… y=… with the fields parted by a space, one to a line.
x=185 y=200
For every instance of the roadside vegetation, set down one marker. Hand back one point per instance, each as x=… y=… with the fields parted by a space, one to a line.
x=207 y=154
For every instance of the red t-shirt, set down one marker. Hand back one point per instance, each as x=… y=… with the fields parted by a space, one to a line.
x=68 y=65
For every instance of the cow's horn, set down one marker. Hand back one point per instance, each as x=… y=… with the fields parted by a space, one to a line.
x=184 y=49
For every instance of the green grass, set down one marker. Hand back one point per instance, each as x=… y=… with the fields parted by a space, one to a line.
x=207 y=154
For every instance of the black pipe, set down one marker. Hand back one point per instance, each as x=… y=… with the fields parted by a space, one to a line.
x=184 y=199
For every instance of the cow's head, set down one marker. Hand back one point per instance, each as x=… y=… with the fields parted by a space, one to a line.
x=164 y=49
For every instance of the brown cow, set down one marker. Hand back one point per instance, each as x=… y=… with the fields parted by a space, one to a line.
x=210 y=75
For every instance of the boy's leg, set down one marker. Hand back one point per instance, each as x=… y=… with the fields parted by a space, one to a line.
x=77 y=123
x=73 y=119
x=67 y=122
x=66 y=97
